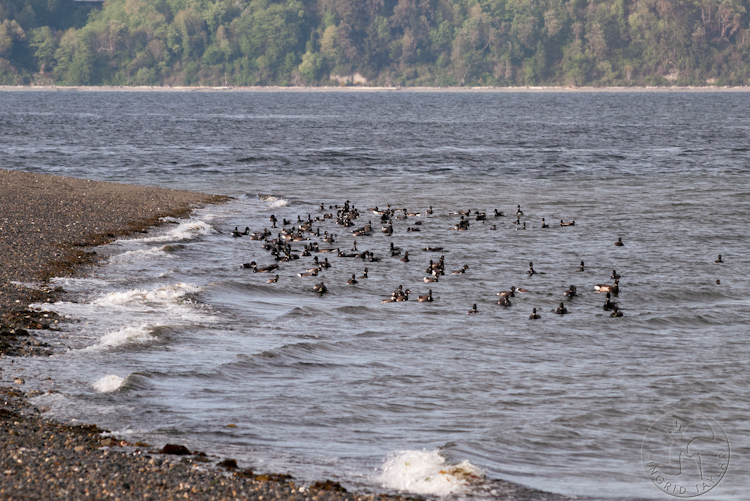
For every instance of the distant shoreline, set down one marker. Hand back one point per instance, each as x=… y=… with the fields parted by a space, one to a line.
x=469 y=90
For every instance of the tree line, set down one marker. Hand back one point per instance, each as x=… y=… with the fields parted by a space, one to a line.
x=380 y=42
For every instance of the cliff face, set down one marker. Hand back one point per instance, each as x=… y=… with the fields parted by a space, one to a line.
x=384 y=42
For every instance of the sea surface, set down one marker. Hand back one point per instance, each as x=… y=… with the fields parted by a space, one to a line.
x=173 y=341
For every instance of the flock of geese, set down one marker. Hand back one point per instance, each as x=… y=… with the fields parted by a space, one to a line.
x=319 y=245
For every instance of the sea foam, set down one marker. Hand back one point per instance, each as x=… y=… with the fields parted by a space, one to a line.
x=183 y=231
x=126 y=335
x=108 y=384
x=425 y=472
x=165 y=294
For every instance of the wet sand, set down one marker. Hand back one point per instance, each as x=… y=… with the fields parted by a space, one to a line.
x=48 y=227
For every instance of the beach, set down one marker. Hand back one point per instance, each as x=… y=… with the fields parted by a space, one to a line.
x=363 y=88
x=49 y=227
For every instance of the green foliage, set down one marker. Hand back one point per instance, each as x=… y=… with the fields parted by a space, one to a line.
x=390 y=42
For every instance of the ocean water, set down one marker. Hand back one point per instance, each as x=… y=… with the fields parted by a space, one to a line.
x=173 y=341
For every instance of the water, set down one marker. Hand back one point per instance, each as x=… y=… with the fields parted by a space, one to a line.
x=173 y=341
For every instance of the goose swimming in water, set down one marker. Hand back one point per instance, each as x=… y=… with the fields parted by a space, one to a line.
x=309 y=273
x=614 y=289
x=609 y=304
x=561 y=310
x=509 y=293
x=614 y=275
x=428 y=280
x=462 y=270
x=581 y=268
x=472 y=310
x=504 y=301
x=718 y=260
x=364 y=275
x=498 y=214
x=619 y=242
x=531 y=269
x=352 y=281
x=320 y=288
x=427 y=298
x=405 y=259
x=615 y=312
x=273 y=280
x=544 y=224
x=534 y=315
x=571 y=292
x=519 y=212
x=563 y=223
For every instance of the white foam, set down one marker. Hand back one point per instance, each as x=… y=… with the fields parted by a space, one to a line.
x=126 y=335
x=108 y=383
x=183 y=231
x=166 y=294
x=274 y=202
x=425 y=472
x=138 y=255
x=65 y=408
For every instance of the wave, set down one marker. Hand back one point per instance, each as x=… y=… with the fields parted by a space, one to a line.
x=274 y=201
x=183 y=231
x=126 y=335
x=168 y=294
x=108 y=384
x=426 y=473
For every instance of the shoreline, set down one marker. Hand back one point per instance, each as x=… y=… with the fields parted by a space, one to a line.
x=49 y=226
x=366 y=89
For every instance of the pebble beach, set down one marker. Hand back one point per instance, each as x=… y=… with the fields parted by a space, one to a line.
x=50 y=227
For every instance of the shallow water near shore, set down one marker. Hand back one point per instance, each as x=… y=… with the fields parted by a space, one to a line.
x=173 y=341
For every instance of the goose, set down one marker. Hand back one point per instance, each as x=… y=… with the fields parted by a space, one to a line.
x=364 y=275
x=571 y=223
x=718 y=260
x=531 y=269
x=472 y=310
x=462 y=270
x=504 y=301
x=615 y=312
x=498 y=213
x=236 y=233
x=614 y=275
x=429 y=211
x=609 y=304
x=404 y=296
x=581 y=268
x=405 y=259
x=544 y=224
x=427 y=298
x=534 y=315
x=561 y=310
x=614 y=289
x=428 y=280
x=352 y=281
x=619 y=242
x=320 y=288
x=519 y=212
x=309 y=273
x=509 y=293
x=571 y=292
x=273 y=280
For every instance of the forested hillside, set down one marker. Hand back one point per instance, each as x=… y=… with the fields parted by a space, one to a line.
x=377 y=42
